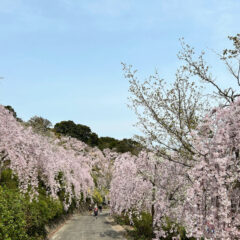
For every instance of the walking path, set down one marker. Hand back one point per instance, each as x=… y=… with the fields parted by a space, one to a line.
x=81 y=227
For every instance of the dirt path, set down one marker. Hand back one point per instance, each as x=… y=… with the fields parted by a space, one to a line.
x=89 y=228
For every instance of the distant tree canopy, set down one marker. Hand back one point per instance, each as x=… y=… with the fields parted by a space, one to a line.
x=84 y=133
x=79 y=131
x=39 y=124
x=107 y=142
x=125 y=145
x=129 y=145
x=10 y=109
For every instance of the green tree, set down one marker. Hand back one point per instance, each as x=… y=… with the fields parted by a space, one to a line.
x=93 y=139
x=39 y=124
x=79 y=131
x=122 y=146
x=65 y=128
x=83 y=133
x=129 y=145
x=11 y=109
x=107 y=142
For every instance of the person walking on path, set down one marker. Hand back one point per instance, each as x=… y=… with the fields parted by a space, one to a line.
x=100 y=208
x=95 y=211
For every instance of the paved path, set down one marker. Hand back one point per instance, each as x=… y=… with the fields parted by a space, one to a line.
x=81 y=227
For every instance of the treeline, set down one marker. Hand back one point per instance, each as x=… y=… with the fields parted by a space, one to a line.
x=82 y=133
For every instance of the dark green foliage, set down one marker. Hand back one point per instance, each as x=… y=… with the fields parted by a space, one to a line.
x=8 y=180
x=122 y=146
x=21 y=218
x=128 y=145
x=66 y=128
x=12 y=216
x=84 y=133
x=93 y=140
x=142 y=225
x=41 y=212
x=11 y=110
x=79 y=131
x=122 y=219
x=107 y=142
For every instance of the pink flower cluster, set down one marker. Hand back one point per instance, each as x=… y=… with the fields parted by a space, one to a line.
x=35 y=158
x=147 y=183
x=213 y=199
x=203 y=198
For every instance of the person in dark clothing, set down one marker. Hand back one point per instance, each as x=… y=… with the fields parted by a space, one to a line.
x=100 y=208
x=95 y=211
x=90 y=208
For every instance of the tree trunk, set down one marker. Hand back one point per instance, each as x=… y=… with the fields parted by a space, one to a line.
x=153 y=201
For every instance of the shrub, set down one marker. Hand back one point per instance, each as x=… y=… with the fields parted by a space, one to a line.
x=22 y=218
x=143 y=225
x=174 y=229
x=97 y=198
x=41 y=212
x=13 y=222
x=122 y=219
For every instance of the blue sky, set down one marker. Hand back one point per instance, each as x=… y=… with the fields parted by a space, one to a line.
x=60 y=59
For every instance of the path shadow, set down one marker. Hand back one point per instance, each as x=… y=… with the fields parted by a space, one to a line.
x=112 y=234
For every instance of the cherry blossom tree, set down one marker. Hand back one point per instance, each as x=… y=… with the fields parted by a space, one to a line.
x=171 y=119
x=204 y=198
x=148 y=183
x=33 y=157
x=99 y=162
x=213 y=198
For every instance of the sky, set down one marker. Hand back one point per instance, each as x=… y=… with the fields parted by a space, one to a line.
x=61 y=59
